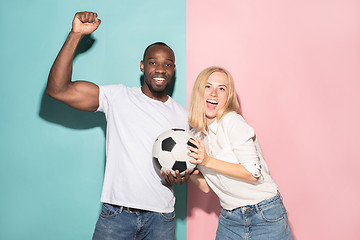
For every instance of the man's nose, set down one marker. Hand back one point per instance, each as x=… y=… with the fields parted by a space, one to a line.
x=160 y=69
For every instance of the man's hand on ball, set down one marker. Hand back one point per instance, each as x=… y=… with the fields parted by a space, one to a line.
x=85 y=23
x=198 y=154
x=170 y=178
x=178 y=179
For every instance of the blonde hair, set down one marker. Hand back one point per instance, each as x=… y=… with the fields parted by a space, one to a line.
x=197 y=117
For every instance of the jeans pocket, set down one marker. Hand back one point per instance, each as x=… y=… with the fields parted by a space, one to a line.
x=168 y=216
x=108 y=211
x=273 y=212
x=224 y=213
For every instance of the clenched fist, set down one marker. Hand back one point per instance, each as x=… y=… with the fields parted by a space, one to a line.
x=85 y=23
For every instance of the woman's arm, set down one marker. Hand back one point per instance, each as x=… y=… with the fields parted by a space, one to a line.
x=230 y=169
x=199 y=181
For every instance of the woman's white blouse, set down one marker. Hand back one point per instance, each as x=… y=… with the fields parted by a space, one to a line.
x=233 y=140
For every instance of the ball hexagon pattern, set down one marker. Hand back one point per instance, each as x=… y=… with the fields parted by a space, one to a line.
x=170 y=151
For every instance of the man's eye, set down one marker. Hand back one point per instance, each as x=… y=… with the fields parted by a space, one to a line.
x=168 y=65
x=152 y=63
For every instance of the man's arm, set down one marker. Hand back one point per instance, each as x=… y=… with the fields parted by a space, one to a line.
x=81 y=95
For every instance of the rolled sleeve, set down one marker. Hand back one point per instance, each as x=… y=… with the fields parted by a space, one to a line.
x=254 y=169
x=247 y=156
x=241 y=137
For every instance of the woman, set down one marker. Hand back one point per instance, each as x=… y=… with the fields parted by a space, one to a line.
x=229 y=158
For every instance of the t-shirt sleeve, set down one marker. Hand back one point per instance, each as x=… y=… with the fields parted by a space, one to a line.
x=106 y=93
x=103 y=102
x=241 y=137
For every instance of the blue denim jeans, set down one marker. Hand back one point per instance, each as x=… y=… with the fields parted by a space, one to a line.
x=265 y=220
x=117 y=223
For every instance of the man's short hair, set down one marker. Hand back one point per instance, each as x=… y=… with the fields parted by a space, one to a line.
x=156 y=43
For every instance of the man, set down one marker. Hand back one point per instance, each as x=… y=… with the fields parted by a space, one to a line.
x=138 y=203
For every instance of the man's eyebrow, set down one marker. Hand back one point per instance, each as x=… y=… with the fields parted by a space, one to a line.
x=155 y=58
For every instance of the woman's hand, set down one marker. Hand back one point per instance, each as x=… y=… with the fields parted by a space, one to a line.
x=198 y=153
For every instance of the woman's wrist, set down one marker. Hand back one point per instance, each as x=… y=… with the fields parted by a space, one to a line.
x=206 y=162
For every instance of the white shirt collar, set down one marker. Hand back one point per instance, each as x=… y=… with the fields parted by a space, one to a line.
x=213 y=127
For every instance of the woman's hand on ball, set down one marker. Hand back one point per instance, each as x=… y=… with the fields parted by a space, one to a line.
x=198 y=154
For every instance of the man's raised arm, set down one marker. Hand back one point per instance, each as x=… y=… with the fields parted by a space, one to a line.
x=81 y=95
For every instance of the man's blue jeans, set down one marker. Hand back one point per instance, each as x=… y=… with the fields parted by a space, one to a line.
x=117 y=223
x=265 y=220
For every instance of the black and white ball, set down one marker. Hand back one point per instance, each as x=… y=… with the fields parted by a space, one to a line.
x=170 y=151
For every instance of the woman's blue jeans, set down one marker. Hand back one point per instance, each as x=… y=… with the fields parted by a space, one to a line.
x=117 y=223
x=265 y=220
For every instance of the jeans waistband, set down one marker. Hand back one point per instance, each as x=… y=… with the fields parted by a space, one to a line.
x=129 y=209
x=260 y=204
x=267 y=201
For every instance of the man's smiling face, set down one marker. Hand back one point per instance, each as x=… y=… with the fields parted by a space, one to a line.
x=158 y=67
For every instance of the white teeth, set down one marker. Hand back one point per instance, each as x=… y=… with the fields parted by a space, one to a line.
x=159 y=79
x=212 y=101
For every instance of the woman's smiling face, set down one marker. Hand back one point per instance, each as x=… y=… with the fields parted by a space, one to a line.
x=215 y=95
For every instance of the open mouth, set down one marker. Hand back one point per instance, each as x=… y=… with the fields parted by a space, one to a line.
x=213 y=102
x=159 y=80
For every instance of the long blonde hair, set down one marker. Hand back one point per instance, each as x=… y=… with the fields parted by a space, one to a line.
x=197 y=117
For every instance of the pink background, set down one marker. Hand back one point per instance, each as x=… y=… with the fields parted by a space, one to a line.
x=297 y=70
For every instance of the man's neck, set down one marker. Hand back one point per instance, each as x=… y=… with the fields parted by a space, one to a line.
x=161 y=96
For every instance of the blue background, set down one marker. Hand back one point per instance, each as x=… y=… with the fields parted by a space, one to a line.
x=52 y=157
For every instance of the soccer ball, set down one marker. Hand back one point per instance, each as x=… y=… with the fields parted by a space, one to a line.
x=170 y=151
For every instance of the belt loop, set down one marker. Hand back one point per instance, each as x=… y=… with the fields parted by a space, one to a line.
x=257 y=208
x=121 y=209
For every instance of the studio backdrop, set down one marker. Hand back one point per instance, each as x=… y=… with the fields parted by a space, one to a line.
x=296 y=66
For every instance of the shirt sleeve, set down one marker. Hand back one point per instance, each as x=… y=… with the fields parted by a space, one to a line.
x=106 y=93
x=241 y=137
x=103 y=103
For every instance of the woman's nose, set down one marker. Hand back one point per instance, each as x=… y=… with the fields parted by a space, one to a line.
x=213 y=93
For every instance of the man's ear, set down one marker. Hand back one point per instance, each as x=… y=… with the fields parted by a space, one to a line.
x=142 y=66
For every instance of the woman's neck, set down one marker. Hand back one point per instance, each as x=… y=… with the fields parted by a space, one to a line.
x=208 y=123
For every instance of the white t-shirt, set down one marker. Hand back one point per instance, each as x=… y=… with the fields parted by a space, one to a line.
x=134 y=121
x=233 y=140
